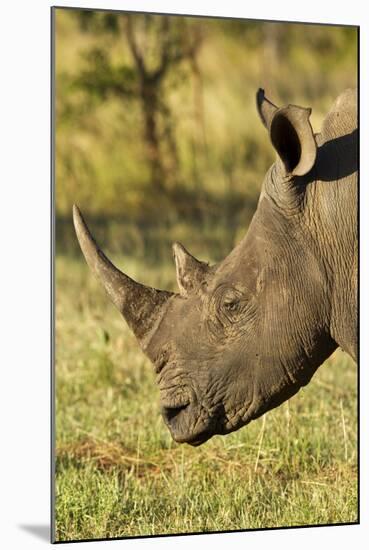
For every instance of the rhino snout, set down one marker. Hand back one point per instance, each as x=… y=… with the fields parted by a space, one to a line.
x=185 y=423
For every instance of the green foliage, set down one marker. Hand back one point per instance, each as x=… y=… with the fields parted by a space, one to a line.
x=102 y=79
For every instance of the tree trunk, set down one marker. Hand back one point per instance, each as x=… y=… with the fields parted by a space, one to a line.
x=152 y=143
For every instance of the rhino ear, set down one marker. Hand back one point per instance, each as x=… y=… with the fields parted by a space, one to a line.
x=266 y=108
x=190 y=271
x=292 y=137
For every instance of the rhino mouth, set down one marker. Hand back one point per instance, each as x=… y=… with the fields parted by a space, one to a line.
x=187 y=424
x=182 y=411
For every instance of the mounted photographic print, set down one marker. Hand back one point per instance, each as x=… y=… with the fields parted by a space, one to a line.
x=205 y=275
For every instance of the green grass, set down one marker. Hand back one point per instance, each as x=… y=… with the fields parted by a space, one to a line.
x=118 y=472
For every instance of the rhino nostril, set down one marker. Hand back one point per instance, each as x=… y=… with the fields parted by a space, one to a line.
x=170 y=413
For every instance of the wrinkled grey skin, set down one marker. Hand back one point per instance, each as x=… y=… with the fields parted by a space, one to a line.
x=243 y=336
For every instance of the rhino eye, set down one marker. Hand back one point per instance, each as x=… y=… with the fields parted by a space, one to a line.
x=226 y=307
x=231 y=305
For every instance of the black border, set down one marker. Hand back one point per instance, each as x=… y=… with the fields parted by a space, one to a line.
x=52 y=275
x=358 y=431
x=167 y=535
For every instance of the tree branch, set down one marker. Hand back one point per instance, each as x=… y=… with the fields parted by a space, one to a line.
x=173 y=53
x=136 y=53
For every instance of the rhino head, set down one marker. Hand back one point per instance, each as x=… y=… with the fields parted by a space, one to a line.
x=242 y=336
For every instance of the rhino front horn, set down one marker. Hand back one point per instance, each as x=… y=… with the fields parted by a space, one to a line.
x=140 y=305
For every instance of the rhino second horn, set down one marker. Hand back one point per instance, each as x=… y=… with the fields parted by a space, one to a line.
x=190 y=271
x=140 y=305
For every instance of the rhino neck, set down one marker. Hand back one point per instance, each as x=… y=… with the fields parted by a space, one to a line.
x=330 y=215
x=332 y=201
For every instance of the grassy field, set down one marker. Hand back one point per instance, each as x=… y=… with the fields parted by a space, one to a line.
x=120 y=474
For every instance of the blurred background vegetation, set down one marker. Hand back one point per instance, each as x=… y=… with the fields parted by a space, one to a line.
x=157 y=135
x=158 y=139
